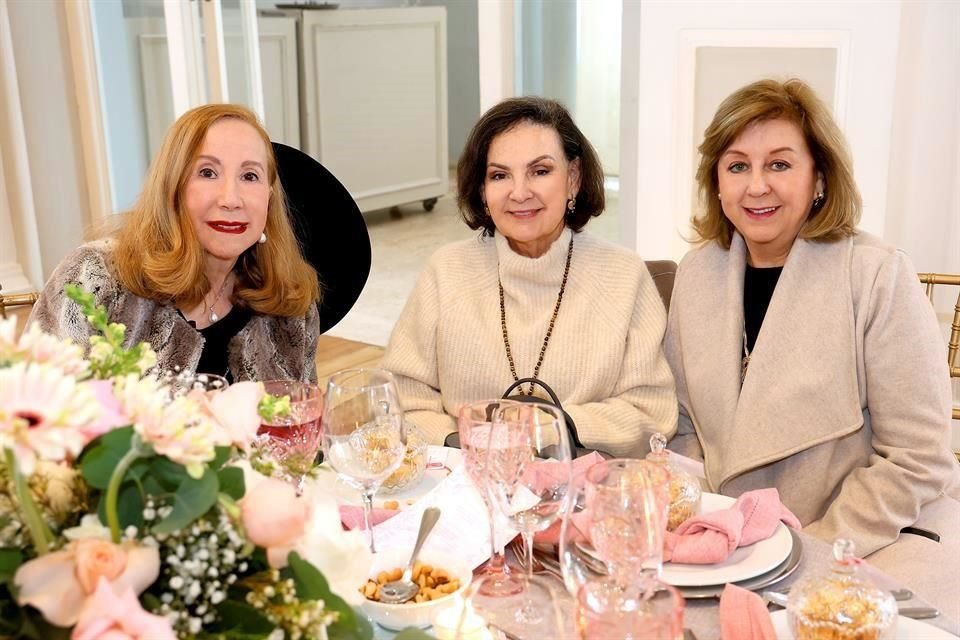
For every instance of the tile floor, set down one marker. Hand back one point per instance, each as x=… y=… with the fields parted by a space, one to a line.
x=402 y=242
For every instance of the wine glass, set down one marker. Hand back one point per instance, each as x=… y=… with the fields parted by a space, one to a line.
x=528 y=474
x=293 y=439
x=627 y=501
x=476 y=426
x=363 y=435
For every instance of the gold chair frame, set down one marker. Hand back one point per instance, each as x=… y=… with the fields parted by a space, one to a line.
x=16 y=300
x=953 y=344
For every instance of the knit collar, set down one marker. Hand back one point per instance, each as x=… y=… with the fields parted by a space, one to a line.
x=547 y=269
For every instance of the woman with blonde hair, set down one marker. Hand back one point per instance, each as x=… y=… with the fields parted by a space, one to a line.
x=206 y=266
x=805 y=354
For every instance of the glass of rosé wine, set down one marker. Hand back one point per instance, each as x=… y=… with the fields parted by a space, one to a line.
x=294 y=438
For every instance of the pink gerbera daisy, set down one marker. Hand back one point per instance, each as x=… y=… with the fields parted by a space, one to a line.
x=43 y=413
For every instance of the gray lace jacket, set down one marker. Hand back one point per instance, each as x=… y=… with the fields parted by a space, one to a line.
x=267 y=348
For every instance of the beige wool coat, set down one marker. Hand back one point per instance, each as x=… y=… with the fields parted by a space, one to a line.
x=845 y=408
x=266 y=348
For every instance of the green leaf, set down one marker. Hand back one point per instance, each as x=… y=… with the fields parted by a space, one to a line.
x=311 y=585
x=231 y=482
x=102 y=455
x=10 y=560
x=240 y=620
x=221 y=455
x=168 y=473
x=273 y=407
x=192 y=499
x=412 y=633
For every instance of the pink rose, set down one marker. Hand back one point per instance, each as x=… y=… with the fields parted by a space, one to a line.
x=59 y=584
x=235 y=410
x=109 y=616
x=96 y=559
x=273 y=514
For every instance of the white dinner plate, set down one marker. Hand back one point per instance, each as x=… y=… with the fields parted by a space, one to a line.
x=745 y=562
x=441 y=461
x=907 y=628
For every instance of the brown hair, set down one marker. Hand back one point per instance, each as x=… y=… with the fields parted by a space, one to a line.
x=472 y=167
x=158 y=255
x=839 y=212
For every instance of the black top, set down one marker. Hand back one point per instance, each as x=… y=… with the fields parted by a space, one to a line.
x=217 y=337
x=758 y=286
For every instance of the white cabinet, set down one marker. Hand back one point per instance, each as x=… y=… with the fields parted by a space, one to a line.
x=374 y=101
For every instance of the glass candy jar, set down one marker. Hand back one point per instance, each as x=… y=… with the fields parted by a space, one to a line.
x=840 y=605
x=413 y=465
x=685 y=491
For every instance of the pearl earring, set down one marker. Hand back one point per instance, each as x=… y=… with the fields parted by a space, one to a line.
x=263 y=238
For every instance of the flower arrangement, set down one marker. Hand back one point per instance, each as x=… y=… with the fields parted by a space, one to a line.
x=127 y=511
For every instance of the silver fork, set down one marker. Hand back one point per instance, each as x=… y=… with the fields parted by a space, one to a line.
x=520 y=550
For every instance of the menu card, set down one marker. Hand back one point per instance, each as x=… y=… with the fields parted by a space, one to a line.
x=463 y=529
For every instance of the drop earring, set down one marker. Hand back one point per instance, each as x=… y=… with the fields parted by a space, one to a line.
x=818 y=200
x=263 y=238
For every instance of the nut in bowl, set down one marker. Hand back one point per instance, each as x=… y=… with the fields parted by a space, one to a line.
x=412 y=613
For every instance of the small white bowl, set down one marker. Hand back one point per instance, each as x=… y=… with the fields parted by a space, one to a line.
x=413 y=614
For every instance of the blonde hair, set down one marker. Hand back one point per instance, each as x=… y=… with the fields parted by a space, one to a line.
x=158 y=255
x=839 y=212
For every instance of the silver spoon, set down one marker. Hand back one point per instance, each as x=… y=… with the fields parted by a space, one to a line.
x=405 y=588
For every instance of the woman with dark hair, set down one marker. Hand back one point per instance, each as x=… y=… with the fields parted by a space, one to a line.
x=206 y=267
x=534 y=295
x=805 y=353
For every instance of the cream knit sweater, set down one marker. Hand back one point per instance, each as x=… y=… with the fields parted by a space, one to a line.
x=604 y=359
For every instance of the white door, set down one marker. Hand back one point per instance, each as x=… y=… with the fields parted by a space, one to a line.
x=680 y=59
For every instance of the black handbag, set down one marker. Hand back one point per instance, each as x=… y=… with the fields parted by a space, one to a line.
x=576 y=446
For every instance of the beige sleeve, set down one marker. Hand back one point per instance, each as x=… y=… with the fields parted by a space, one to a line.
x=685 y=441
x=643 y=400
x=411 y=356
x=908 y=398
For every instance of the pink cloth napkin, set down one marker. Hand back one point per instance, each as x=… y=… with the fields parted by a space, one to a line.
x=744 y=616
x=580 y=520
x=352 y=517
x=709 y=538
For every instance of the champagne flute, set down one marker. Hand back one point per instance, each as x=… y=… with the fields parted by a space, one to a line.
x=363 y=435
x=529 y=472
x=476 y=426
x=294 y=439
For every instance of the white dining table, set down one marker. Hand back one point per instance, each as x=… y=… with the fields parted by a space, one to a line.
x=701 y=616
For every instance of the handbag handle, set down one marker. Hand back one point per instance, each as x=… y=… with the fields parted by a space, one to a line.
x=543 y=385
x=575 y=442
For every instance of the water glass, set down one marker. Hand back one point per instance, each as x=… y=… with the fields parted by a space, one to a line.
x=607 y=609
x=363 y=433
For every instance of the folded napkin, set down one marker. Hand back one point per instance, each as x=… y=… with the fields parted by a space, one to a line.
x=744 y=616
x=352 y=517
x=581 y=520
x=709 y=538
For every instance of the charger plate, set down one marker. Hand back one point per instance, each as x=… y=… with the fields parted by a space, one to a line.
x=907 y=629
x=748 y=562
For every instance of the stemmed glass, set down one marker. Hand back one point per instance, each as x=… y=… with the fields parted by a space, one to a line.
x=476 y=426
x=627 y=502
x=363 y=435
x=528 y=474
x=294 y=439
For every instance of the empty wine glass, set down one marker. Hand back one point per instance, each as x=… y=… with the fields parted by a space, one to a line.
x=627 y=501
x=528 y=473
x=293 y=439
x=476 y=426
x=363 y=435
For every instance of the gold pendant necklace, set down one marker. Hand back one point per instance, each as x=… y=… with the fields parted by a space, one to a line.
x=546 y=338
